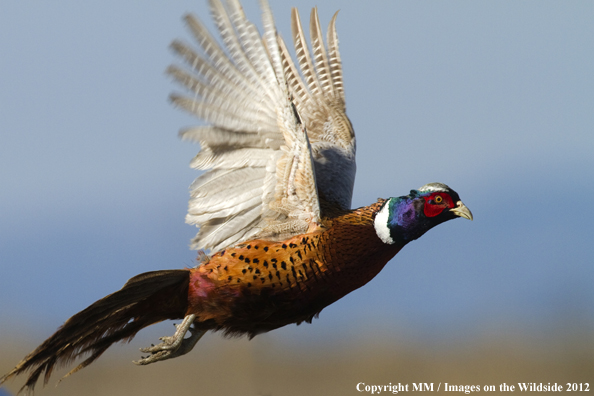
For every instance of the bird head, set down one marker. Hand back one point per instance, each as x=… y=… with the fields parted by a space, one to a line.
x=403 y=219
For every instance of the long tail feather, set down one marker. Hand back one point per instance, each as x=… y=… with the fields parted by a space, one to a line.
x=145 y=299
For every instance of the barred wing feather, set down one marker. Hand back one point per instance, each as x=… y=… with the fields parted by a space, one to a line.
x=276 y=144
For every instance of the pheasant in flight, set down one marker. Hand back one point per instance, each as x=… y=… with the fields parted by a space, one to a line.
x=273 y=207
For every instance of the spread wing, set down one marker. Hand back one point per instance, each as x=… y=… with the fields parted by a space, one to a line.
x=277 y=140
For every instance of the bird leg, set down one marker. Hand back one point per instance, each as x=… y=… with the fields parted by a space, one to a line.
x=175 y=345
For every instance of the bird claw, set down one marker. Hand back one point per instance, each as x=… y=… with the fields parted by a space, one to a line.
x=154 y=357
x=173 y=346
x=167 y=344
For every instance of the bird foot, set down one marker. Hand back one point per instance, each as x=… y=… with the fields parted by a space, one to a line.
x=175 y=345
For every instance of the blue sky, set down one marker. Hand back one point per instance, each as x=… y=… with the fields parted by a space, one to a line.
x=493 y=98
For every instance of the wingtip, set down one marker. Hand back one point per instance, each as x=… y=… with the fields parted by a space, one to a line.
x=333 y=20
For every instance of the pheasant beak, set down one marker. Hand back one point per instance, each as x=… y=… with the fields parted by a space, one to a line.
x=462 y=211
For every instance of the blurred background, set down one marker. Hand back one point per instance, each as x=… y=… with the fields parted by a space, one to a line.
x=493 y=98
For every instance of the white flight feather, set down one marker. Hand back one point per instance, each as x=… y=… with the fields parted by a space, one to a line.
x=212 y=137
x=227 y=209
x=219 y=180
x=226 y=159
x=320 y=56
x=334 y=61
x=223 y=101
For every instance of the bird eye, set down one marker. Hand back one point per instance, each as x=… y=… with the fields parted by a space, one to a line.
x=438 y=199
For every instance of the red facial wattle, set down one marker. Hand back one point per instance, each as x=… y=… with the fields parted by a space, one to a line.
x=437 y=203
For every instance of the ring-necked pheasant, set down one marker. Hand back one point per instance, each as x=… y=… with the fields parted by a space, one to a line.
x=273 y=207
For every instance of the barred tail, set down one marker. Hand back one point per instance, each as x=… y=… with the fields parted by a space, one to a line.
x=144 y=300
